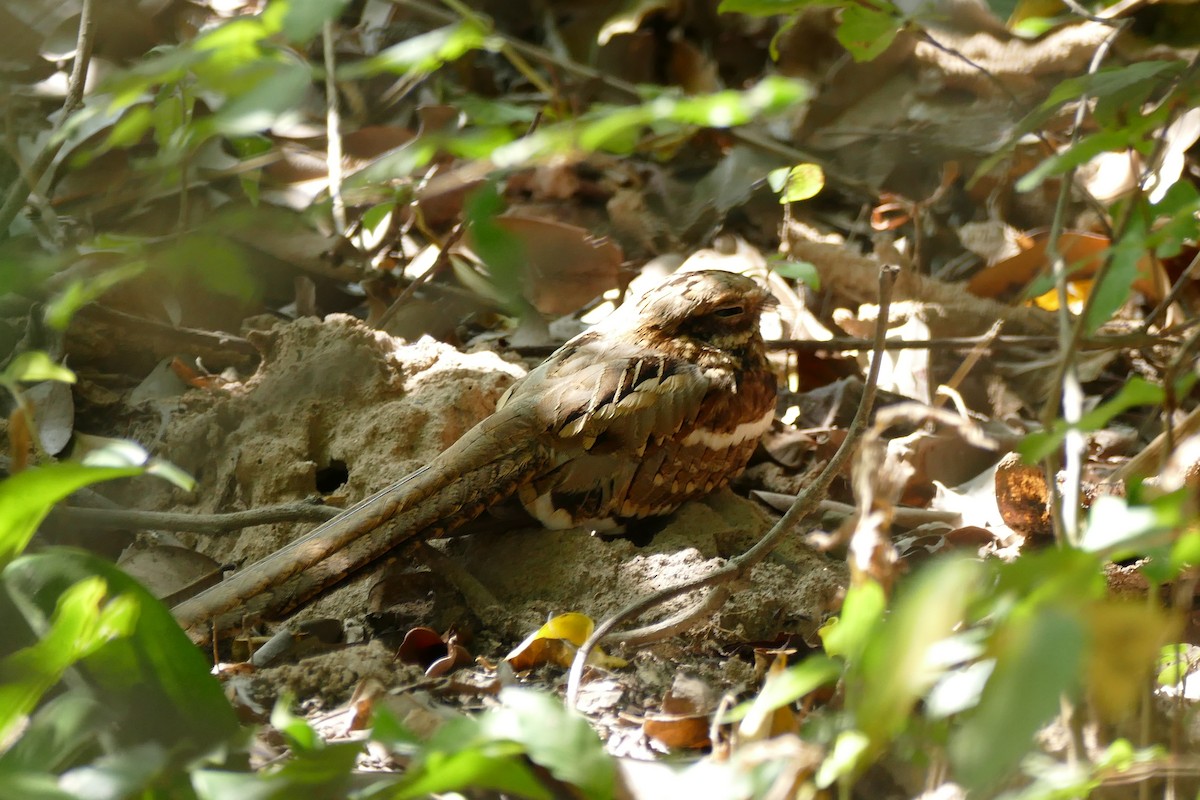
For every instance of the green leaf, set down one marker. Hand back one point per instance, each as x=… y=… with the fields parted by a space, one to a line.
x=555 y=738
x=300 y=735
x=130 y=129
x=34 y=365
x=802 y=271
x=326 y=768
x=1110 y=80
x=613 y=129
x=500 y=250
x=128 y=772
x=1118 y=529
x=154 y=682
x=420 y=54
x=276 y=92
x=787 y=687
x=1185 y=551
x=1080 y=152
x=866 y=32
x=475 y=768
x=303 y=19
x=848 y=634
x=1112 y=292
x=1137 y=392
x=1038 y=659
x=58 y=732
x=31 y=785
x=764 y=8
x=82 y=291
x=845 y=758
x=27 y=497
x=797 y=183
x=897 y=665
x=83 y=620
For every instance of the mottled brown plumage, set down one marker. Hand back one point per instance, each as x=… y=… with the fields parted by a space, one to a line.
x=661 y=403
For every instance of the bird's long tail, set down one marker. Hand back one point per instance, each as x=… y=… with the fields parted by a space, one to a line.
x=482 y=468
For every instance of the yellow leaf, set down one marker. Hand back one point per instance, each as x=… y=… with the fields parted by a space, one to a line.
x=556 y=643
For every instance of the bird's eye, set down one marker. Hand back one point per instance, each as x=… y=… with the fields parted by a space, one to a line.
x=729 y=311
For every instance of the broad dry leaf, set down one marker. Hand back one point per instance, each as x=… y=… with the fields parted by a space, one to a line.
x=1023 y=497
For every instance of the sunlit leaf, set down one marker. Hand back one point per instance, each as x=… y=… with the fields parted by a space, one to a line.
x=854 y=627
x=83 y=620
x=866 y=31
x=1118 y=529
x=797 y=183
x=27 y=497
x=787 y=687
x=802 y=271
x=35 y=365
x=555 y=738
x=276 y=93
x=844 y=759
x=897 y=665
x=81 y=291
x=420 y=54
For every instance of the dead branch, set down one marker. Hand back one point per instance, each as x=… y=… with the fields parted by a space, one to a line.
x=110 y=518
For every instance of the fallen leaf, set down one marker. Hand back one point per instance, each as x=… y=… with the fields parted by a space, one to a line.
x=1023 y=497
x=1083 y=253
x=54 y=414
x=556 y=643
x=566 y=266
x=683 y=721
x=165 y=569
x=437 y=654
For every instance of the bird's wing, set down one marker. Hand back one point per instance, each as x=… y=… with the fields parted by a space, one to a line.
x=611 y=415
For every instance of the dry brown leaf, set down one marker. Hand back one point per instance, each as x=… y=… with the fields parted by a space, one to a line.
x=1023 y=497
x=1083 y=253
x=567 y=267
x=437 y=654
x=682 y=723
x=165 y=569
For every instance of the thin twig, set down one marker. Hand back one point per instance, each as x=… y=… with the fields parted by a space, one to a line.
x=39 y=171
x=986 y=343
x=805 y=503
x=1185 y=280
x=333 y=133
x=1066 y=504
x=442 y=261
x=1181 y=359
x=109 y=518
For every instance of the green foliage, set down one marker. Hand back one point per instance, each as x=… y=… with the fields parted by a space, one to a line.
x=1136 y=392
x=797 y=183
x=975 y=658
x=865 y=29
x=139 y=684
x=501 y=251
x=422 y=54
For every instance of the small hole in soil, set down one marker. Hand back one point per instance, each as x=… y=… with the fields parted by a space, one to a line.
x=332 y=476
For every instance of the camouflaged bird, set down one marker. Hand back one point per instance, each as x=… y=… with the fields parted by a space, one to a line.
x=661 y=403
